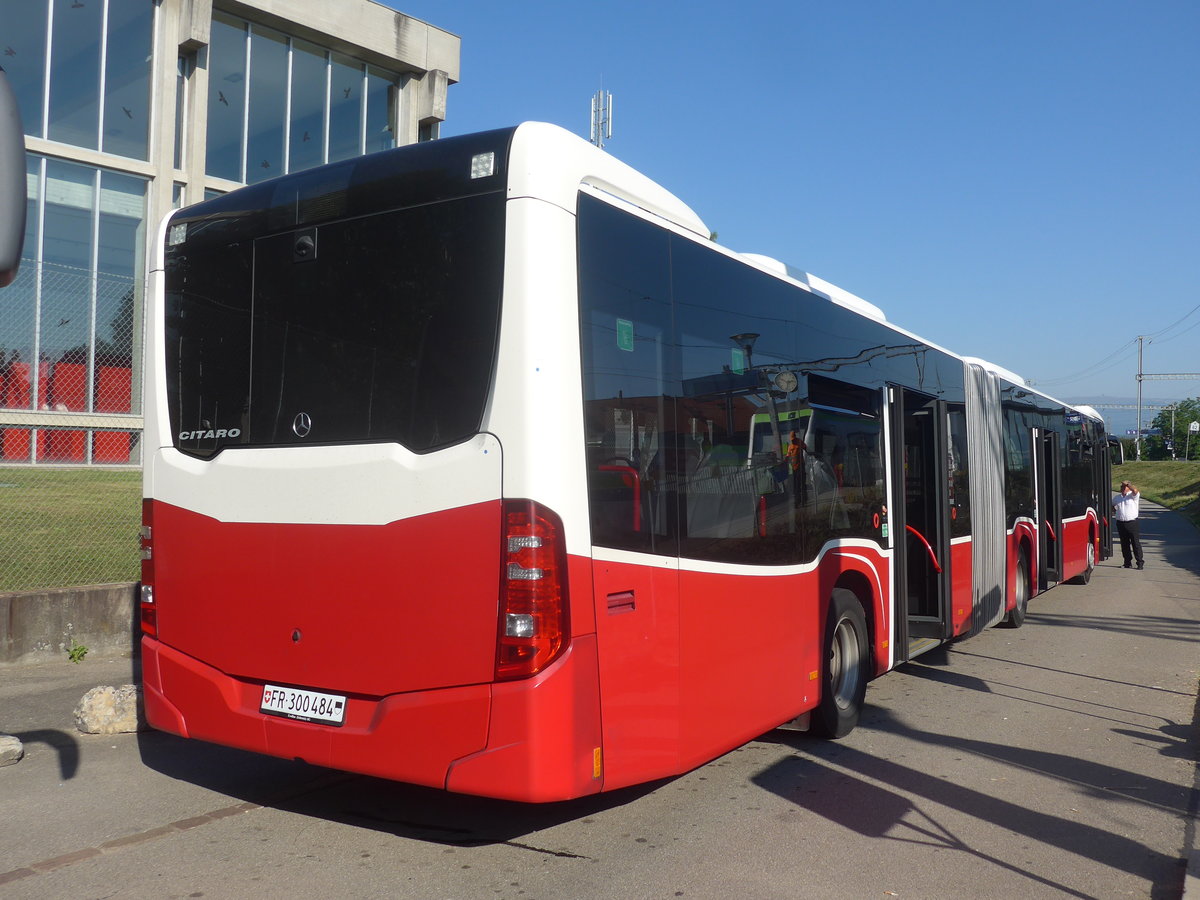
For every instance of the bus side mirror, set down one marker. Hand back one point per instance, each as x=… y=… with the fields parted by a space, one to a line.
x=12 y=183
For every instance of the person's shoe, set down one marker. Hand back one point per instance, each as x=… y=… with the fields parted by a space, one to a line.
x=1126 y=566
x=1141 y=566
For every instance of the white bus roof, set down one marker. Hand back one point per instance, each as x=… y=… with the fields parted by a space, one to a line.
x=1007 y=374
x=820 y=286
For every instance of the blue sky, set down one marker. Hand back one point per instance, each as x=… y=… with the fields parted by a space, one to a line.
x=1012 y=179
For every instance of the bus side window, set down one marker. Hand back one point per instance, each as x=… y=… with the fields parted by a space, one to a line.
x=627 y=474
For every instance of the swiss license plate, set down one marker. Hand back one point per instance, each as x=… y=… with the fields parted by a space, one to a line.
x=307 y=706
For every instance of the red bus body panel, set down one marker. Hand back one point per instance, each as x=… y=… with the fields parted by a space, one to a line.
x=747 y=664
x=637 y=633
x=962 y=592
x=283 y=602
x=1076 y=535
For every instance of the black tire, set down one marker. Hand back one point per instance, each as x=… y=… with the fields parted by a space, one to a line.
x=1016 y=615
x=845 y=675
x=1086 y=575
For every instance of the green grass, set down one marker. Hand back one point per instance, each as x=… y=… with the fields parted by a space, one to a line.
x=66 y=527
x=1174 y=484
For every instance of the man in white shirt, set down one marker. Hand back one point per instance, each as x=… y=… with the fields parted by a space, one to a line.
x=1125 y=511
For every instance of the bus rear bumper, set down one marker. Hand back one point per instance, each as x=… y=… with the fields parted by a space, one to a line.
x=533 y=740
x=405 y=737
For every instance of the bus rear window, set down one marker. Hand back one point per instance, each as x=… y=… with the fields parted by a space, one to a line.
x=376 y=328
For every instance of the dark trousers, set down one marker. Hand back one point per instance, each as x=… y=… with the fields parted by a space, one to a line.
x=1131 y=540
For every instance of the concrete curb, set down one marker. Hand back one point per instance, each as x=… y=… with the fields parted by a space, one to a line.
x=40 y=626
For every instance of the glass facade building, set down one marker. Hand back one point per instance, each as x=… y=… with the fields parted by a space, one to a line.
x=134 y=107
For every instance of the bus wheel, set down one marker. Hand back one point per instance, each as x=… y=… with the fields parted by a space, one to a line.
x=844 y=681
x=1016 y=616
x=1086 y=575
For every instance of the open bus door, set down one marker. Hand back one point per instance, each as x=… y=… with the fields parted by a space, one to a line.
x=919 y=521
x=1105 y=457
x=1047 y=456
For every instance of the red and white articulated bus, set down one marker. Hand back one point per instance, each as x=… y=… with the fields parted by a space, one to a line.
x=476 y=464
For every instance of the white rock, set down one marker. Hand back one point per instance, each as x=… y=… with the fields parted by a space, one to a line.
x=11 y=750
x=111 y=710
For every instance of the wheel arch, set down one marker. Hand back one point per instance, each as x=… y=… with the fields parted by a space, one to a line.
x=1024 y=548
x=858 y=584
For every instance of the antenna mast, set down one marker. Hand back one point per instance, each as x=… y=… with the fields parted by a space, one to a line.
x=602 y=116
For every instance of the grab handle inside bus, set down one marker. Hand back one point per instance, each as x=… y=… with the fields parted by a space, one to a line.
x=937 y=567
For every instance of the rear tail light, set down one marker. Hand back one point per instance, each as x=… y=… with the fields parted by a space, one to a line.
x=149 y=612
x=533 y=591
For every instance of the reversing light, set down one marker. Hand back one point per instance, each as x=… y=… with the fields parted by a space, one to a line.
x=517 y=572
x=519 y=626
x=533 y=629
x=483 y=165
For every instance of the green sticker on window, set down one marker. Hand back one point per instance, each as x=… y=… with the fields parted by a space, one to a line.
x=625 y=334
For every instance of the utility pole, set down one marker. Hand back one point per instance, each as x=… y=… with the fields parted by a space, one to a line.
x=1137 y=441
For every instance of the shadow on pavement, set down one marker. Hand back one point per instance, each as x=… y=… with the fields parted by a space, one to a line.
x=64 y=744
x=861 y=792
x=404 y=810
x=1173 y=537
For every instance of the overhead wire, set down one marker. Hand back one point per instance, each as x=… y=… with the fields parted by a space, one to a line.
x=1107 y=363
x=1195 y=324
x=1186 y=316
x=1115 y=357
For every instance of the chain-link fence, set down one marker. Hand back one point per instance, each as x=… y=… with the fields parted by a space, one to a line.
x=70 y=428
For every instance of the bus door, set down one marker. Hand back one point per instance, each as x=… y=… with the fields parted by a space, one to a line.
x=1048 y=504
x=919 y=521
x=633 y=497
x=1102 y=488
